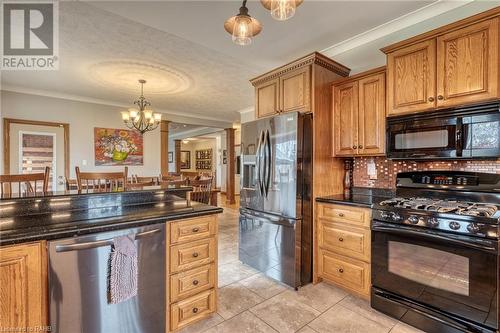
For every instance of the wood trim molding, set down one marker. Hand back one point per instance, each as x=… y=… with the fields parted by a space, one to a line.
x=358 y=76
x=164 y=146
x=6 y=140
x=495 y=12
x=177 y=155
x=231 y=168
x=313 y=58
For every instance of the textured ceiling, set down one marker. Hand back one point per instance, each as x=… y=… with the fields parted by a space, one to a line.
x=181 y=48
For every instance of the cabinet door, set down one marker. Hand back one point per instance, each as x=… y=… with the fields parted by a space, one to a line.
x=23 y=286
x=468 y=64
x=411 y=77
x=267 y=98
x=371 y=115
x=296 y=90
x=345 y=114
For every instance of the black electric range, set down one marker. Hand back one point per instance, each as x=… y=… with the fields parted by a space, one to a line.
x=435 y=258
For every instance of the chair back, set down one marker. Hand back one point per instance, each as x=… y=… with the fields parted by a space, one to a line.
x=201 y=190
x=71 y=184
x=101 y=181
x=144 y=181
x=25 y=183
x=179 y=182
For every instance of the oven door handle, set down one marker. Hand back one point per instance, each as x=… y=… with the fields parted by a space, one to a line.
x=431 y=235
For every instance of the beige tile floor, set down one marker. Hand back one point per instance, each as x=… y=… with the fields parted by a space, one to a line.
x=248 y=302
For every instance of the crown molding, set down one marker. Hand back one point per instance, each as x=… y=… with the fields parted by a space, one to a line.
x=434 y=9
x=247 y=110
x=84 y=99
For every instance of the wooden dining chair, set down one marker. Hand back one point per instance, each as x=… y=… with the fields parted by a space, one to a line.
x=71 y=184
x=144 y=181
x=179 y=182
x=26 y=183
x=101 y=181
x=201 y=190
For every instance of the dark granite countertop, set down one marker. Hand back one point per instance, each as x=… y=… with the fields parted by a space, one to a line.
x=362 y=197
x=46 y=218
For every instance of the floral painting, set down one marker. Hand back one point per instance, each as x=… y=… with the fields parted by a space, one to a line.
x=117 y=147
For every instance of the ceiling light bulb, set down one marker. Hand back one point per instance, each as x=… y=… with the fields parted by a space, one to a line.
x=157 y=116
x=125 y=116
x=148 y=114
x=282 y=10
x=243 y=30
x=133 y=113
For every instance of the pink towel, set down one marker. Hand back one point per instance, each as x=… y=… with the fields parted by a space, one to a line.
x=122 y=276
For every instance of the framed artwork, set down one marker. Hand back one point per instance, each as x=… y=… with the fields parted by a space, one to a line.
x=185 y=159
x=117 y=147
x=170 y=157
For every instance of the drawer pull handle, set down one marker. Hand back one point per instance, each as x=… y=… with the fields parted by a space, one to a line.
x=341 y=239
x=195 y=282
x=341 y=214
x=341 y=270
x=196 y=229
x=195 y=310
x=195 y=254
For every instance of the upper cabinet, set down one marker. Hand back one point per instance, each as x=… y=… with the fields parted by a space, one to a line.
x=291 y=87
x=359 y=114
x=447 y=67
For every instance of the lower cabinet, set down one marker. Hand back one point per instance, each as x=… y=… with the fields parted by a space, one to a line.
x=192 y=270
x=344 y=255
x=23 y=287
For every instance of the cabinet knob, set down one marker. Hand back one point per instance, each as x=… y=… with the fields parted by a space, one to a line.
x=195 y=282
x=431 y=99
x=195 y=254
x=341 y=239
x=341 y=214
x=195 y=310
x=360 y=146
x=341 y=270
x=196 y=229
x=354 y=147
x=440 y=97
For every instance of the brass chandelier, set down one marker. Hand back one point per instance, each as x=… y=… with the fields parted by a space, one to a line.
x=243 y=27
x=141 y=118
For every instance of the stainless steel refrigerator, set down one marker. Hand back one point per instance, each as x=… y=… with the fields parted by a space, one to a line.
x=275 y=224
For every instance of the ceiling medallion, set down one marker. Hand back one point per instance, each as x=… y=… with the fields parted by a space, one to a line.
x=123 y=74
x=243 y=27
x=141 y=118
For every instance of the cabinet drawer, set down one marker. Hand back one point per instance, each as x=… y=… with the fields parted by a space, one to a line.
x=346 y=272
x=350 y=241
x=189 y=310
x=345 y=214
x=193 y=254
x=192 y=229
x=192 y=282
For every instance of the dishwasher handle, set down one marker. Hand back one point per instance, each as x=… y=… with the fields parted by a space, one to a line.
x=104 y=242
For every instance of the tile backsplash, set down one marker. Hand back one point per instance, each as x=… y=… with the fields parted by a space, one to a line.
x=388 y=169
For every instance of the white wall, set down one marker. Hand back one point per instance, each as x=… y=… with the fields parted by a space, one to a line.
x=82 y=118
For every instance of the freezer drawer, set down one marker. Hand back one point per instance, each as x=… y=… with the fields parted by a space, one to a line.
x=78 y=284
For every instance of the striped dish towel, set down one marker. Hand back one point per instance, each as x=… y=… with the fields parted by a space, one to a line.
x=122 y=270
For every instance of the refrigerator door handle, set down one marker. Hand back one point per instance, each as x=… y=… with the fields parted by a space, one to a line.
x=267 y=162
x=258 y=164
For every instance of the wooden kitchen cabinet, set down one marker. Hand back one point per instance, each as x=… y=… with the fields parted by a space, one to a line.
x=23 y=286
x=267 y=100
x=192 y=270
x=447 y=67
x=359 y=114
x=291 y=87
x=343 y=248
x=467 y=62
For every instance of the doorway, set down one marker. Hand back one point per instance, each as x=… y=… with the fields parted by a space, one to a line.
x=30 y=146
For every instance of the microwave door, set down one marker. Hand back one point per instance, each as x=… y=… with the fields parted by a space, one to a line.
x=481 y=136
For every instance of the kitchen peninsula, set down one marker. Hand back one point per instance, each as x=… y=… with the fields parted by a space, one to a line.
x=75 y=231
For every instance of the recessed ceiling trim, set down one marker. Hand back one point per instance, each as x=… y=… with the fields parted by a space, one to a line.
x=92 y=100
x=402 y=22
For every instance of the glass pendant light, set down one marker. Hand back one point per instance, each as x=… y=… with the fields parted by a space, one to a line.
x=282 y=10
x=242 y=27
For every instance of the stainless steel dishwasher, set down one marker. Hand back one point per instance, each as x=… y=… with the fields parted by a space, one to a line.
x=78 y=284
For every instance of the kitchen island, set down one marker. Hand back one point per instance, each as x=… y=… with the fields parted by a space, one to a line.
x=34 y=229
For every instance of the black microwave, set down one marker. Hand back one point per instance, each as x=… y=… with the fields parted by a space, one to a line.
x=465 y=133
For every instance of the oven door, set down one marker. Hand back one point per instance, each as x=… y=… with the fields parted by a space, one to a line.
x=449 y=273
x=423 y=138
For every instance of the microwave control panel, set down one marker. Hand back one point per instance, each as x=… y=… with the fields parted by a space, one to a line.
x=445 y=180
